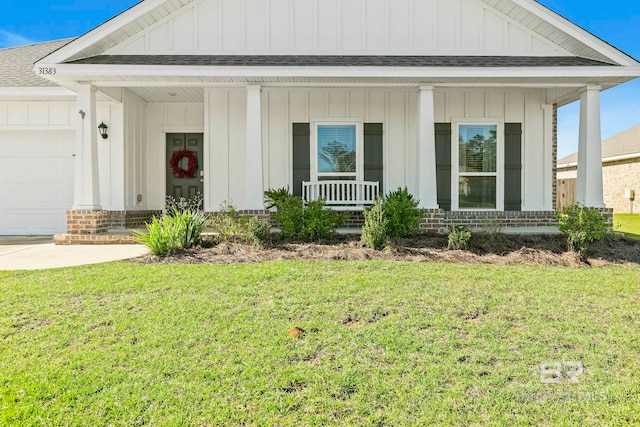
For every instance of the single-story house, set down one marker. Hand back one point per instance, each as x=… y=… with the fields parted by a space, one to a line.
x=454 y=99
x=620 y=171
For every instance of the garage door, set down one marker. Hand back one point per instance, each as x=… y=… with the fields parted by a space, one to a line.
x=36 y=182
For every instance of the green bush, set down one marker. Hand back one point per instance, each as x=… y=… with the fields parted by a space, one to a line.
x=174 y=230
x=229 y=226
x=318 y=222
x=374 y=231
x=459 y=237
x=309 y=221
x=402 y=213
x=581 y=225
x=259 y=232
x=274 y=198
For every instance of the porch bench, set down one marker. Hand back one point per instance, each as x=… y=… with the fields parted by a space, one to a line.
x=342 y=195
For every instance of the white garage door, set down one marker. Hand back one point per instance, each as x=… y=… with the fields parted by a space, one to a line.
x=36 y=181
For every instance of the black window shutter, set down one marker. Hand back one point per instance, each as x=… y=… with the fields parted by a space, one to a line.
x=443 y=164
x=373 y=161
x=513 y=166
x=301 y=156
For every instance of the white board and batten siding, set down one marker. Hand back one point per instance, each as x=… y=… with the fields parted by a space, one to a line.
x=402 y=27
x=225 y=129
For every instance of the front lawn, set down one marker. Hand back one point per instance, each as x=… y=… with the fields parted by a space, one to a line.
x=386 y=343
x=628 y=224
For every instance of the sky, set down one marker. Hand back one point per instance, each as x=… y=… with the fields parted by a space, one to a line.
x=615 y=21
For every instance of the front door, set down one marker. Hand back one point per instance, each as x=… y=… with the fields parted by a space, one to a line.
x=184 y=165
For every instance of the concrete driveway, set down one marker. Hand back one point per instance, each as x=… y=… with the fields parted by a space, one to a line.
x=36 y=253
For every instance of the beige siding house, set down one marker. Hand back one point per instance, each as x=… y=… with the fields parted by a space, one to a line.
x=620 y=171
x=454 y=99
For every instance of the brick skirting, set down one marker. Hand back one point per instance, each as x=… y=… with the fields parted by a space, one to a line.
x=87 y=222
x=439 y=220
x=93 y=239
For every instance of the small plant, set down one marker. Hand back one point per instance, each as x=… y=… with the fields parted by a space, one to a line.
x=290 y=216
x=182 y=204
x=581 y=225
x=229 y=225
x=459 y=237
x=174 y=230
x=401 y=210
x=274 y=198
x=259 y=232
x=493 y=229
x=309 y=221
x=374 y=231
x=318 y=222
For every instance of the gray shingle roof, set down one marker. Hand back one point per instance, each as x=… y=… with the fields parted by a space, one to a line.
x=341 y=61
x=16 y=64
x=622 y=144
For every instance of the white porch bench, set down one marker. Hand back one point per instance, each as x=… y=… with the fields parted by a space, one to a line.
x=342 y=195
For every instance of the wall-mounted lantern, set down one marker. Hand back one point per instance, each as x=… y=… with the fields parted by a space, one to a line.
x=103 y=130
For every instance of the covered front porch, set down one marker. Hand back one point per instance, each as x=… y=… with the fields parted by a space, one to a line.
x=268 y=136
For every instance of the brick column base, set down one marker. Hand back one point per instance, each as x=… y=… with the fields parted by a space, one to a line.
x=87 y=222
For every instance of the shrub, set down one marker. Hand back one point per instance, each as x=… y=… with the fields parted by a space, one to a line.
x=181 y=204
x=581 y=225
x=318 y=222
x=259 y=232
x=274 y=198
x=402 y=213
x=374 y=232
x=290 y=216
x=459 y=237
x=229 y=225
x=309 y=221
x=174 y=230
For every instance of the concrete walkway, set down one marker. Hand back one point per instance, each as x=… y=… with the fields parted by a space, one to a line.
x=36 y=253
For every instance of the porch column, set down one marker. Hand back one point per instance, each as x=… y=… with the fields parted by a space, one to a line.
x=589 y=183
x=427 y=184
x=253 y=185
x=87 y=185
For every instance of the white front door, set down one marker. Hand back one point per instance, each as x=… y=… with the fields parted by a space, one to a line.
x=36 y=181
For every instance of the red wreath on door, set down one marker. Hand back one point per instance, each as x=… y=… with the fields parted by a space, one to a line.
x=192 y=164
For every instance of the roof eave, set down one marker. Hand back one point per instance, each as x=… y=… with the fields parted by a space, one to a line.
x=69 y=71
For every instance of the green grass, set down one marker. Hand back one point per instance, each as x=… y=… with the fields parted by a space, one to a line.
x=628 y=224
x=387 y=344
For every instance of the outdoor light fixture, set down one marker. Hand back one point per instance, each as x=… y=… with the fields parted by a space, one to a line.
x=103 y=130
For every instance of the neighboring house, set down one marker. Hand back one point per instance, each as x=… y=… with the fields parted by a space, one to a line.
x=455 y=99
x=620 y=171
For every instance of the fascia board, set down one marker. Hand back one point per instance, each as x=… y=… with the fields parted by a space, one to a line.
x=577 y=32
x=71 y=70
x=64 y=53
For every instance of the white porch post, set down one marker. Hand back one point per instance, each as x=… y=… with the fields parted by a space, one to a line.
x=253 y=180
x=589 y=183
x=427 y=184
x=87 y=186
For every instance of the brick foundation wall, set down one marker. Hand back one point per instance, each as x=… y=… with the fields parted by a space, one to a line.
x=439 y=220
x=131 y=219
x=355 y=219
x=93 y=239
x=87 y=222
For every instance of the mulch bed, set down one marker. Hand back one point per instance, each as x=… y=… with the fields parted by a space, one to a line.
x=504 y=249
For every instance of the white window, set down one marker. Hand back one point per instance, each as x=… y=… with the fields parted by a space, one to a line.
x=478 y=171
x=337 y=151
